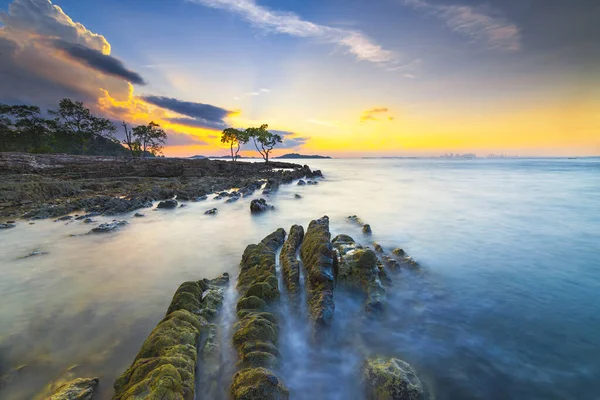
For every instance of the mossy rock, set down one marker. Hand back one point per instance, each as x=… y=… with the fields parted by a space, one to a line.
x=253 y=346
x=73 y=389
x=391 y=379
x=251 y=303
x=263 y=291
x=258 y=384
x=255 y=328
x=259 y=359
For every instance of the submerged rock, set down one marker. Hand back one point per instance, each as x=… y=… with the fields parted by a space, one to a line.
x=139 y=215
x=168 y=204
x=297 y=196
x=34 y=253
x=366 y=229
x=7 y=226
x=256 y=334
x=312 y=183
x=212 y=211
x=317 y=255
x=301 y=182
x=109 y=227
x=65 y=218
x=391 y=379
x=200 y=198
x=290 y=265
x=260 y=205
x=77 y=389
x=165 y=366
x=358 y=269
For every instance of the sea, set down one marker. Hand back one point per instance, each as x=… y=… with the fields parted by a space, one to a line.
x=506 y=304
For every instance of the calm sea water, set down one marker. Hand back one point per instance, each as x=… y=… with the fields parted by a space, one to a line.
x=507 y=306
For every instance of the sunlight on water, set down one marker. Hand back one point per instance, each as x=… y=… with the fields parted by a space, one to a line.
x=506 y=306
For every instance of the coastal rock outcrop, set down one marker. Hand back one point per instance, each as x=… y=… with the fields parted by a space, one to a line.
x=391 y=379
x=290 y=265
x=358 y=269
x=168 y=204
x=256 y=332
x=317 y=256
x=260 y=205
x=166 y=364
x=108 y=227
x=366 y=228
x=77 y=389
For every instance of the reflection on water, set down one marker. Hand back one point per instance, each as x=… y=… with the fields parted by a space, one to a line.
x=506 y=306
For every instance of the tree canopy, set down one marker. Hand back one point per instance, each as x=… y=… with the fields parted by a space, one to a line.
x=264 y=141
x=235 y=138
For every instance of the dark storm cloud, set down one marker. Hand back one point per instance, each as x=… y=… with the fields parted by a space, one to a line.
x=198 y=123
x=201 y=112
x=100 y=62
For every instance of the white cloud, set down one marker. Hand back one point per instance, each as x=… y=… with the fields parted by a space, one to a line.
x=479 y=23
x=355 y=42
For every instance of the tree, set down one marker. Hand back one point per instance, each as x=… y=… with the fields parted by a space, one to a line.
x=264 y=141
x=22 y=127
x=150 y=138
x=132 y=144
x=235 y=138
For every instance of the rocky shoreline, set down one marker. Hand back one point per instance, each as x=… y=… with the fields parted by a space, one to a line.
x=50 y=186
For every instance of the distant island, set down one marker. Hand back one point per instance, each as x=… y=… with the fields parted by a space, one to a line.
x=197 y=157
x=296 y=155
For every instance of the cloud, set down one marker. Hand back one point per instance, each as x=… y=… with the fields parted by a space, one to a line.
x=194 y=110
x=100 y=62
x=184 y=139
x=198 y=123
x=353 y=41
x=33 y=70
x=46 y=19
x=374 y=113
x=256 y=93
x=481 y=24
x=290 y=141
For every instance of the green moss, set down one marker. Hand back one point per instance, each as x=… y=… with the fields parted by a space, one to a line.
x=255 y=327
x=263 y=291
x=259 y=359
x=391 y=379
x=252 y=346
x=257 y=384
x=251 y=303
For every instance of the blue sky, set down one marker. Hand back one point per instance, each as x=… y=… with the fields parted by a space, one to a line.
x=314 y=67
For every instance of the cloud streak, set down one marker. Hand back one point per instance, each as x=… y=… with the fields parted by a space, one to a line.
x=479 y=23
x=374 y=113
x=100 y=62
x=353 y=41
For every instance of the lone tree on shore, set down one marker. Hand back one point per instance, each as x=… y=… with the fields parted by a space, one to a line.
x=235 y=138
x=264 y=141
x=150 y=138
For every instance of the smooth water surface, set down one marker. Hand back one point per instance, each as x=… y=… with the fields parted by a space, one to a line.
x=506 y=306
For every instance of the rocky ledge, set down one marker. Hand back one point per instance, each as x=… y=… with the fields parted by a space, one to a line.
x=49 y=186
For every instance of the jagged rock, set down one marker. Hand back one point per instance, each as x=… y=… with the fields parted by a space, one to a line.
x=317 y=255
x=260 y=205
x=139 y=215
x=290 y=265
x=168 y=204
x=297 y=196
x=7 y=226
x=256 y=334
x=366 y=229
x=212 y=211
x=108 y=227
x=301 y=182
x=378 y=247
x=76 y=389
x=391 y=379
x=312 y=183
x=356 y=219
x=65 y=218
x=358 y=269
x=165 y=366
x=400 y=259
x=398 y=252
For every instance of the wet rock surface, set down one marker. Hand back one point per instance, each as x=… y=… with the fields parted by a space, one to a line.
x=168 y=204
x=290 y=265
x=260 y=205
x=317 y=256
x=108 y=227
x=358 y=269
x=256 y=333
x=391 y=379
x=212 y=211
x=69 y=387
x=165 y=366
x=7 y=226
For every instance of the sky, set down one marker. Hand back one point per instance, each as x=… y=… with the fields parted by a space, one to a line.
x=334 y=77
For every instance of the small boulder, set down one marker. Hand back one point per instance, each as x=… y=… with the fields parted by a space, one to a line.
x=139 y=215
x=109 y=227
x=301 y=182
x=398 y=252
x=366 y=229
x=65 y=218
x=391 y=379
x=312 y=183
x=212 y=211
x=168 y=204
x=7 y=226
x=89 y=221
x=297 y=196
x=260 y=205
x=200 y=198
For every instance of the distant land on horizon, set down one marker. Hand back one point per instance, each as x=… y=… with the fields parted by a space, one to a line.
x=296 y=155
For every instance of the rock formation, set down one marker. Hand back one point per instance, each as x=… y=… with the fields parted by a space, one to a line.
x=317 y=255
x=256 y=333
x=391 y=379
x=290 y=265
x=165 y=365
